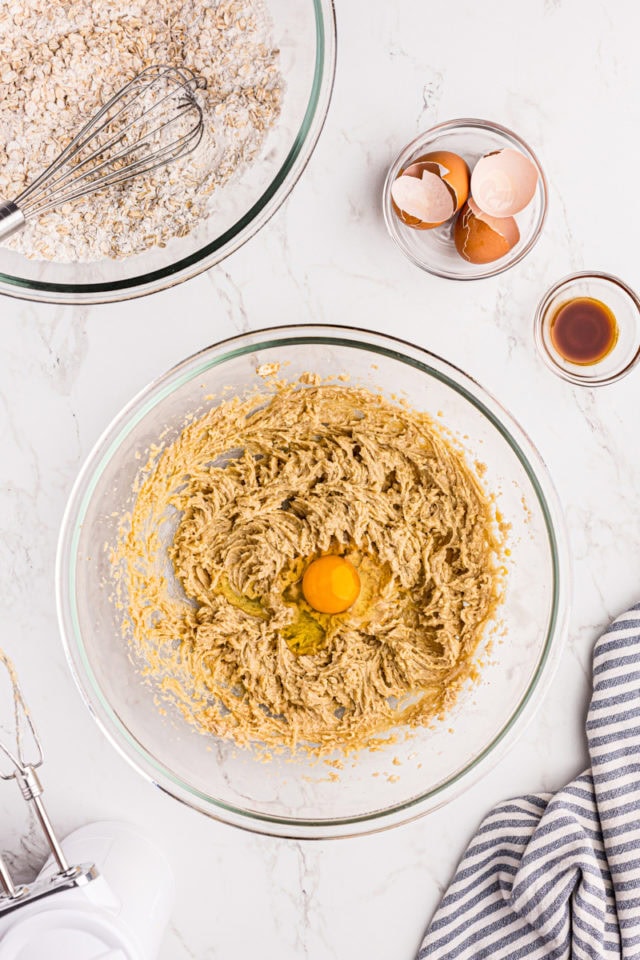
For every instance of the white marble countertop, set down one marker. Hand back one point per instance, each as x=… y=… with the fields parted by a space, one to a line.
x=564 y=74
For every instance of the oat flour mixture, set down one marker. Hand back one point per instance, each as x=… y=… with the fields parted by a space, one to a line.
x=260 y=488
x=60 y=62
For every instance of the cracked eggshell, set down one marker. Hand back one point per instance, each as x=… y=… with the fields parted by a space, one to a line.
x=503 y=182
x=480 y=238
x=453 y=170
x=444 y=186
x=422 y=199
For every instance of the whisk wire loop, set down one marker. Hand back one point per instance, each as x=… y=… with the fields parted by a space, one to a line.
x=153 y=120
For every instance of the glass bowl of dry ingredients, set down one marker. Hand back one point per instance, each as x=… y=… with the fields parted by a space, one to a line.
x=249 y=751
x=269 y=68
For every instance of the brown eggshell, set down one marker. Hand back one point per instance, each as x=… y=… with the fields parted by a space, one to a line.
x=426 y=199
x=480 y=238
x=505 y=226
x=453 y=171
x=503 y=182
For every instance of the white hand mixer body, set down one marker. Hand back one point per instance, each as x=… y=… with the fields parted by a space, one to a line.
x=106 y=893
x=121 y=913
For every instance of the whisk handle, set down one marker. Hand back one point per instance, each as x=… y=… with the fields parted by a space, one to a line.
x=12 y=219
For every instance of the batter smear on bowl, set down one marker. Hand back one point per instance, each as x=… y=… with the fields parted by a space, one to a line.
x=228 y=518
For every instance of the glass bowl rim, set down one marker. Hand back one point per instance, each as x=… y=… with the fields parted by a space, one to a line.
x=539 y=318
x=447 y=126
x=271 y=199
x=127 y=419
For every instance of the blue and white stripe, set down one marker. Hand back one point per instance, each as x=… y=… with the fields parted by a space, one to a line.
x=558 y=876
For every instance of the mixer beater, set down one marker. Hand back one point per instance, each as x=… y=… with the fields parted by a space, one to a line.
x=20 y=755
x=72 y=909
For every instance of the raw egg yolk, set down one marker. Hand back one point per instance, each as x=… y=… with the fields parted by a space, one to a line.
x=331 y=584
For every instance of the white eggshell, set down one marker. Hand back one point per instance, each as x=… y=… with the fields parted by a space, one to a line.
x=428 y=199
x=503 y=183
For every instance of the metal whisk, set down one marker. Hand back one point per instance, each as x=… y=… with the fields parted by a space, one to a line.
x=153 y=120
x=20 y=755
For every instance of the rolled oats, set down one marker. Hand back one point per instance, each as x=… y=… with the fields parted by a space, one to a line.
x=61 y=61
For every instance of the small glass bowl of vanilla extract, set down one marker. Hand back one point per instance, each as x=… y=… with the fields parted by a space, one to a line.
x=587 y=328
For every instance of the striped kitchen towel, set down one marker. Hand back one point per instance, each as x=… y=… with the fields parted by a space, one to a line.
x=558 y=876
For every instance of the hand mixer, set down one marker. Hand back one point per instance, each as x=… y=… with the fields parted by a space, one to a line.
x=73 y=909
x=152 y=121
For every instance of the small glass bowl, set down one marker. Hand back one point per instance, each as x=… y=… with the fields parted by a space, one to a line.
x=625 y=306
x=434 y=250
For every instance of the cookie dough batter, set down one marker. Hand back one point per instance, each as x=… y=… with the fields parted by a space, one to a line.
x=246 y=497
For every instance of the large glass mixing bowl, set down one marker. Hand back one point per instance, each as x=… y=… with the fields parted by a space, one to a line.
x=300 y=797
x=304 y=32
